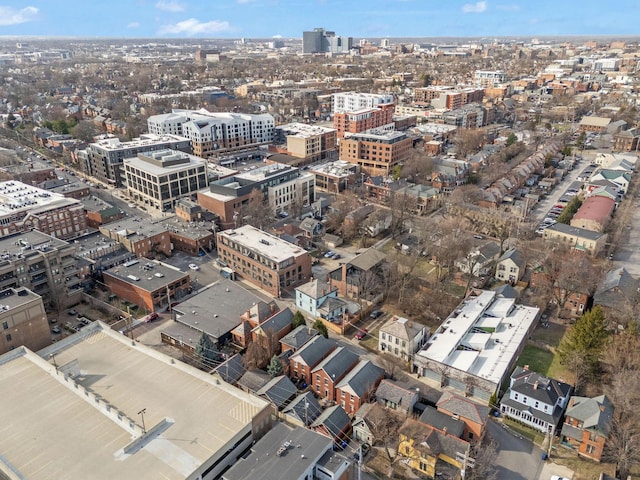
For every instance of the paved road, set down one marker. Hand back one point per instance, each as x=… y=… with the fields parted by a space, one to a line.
x=518 y=458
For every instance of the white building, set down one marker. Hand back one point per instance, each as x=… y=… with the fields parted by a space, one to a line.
x=476 y=346
x=402 y=338
x=346 y=102
x=159 y=179
x=489 y=78
x=319 y=300
x=211 y=133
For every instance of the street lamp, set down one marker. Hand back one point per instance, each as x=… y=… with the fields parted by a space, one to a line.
x=141 y=413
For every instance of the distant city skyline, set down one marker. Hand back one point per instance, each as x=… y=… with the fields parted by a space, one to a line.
x=289 y=18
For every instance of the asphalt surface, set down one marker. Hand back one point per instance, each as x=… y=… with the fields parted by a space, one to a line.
x=518 y=458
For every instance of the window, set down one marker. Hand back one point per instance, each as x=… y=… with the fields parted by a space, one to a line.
x=8 y=337
x=591 y=449
x=5 y=325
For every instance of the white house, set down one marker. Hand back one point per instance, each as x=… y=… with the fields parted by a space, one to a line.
x=319 y=300
x=619 y=177
x=535 y=400
x=402 y=337
x=510 y=266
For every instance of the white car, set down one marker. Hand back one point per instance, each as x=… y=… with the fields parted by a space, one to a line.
x=193 y=266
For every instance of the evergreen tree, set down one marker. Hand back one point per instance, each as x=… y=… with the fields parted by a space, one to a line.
x=584 y=343
x=321 y=328
x=511 y=139
x=275 y=368
x=298 y=320
x=206 y=350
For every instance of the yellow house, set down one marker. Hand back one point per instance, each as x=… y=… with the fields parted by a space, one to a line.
x=423 y=445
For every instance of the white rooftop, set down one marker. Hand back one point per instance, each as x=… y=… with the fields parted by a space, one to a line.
x=16 y=196
x=144 y=165
x=304 y=130
x=482 y=336
x=266 y=244
x=143 y=141
x=84 y=422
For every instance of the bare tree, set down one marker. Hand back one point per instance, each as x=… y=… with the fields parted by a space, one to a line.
x=385 y=431
x=483 y=463
x=623 y=443
x=260 y=350
x=257 y=211
x=468 y=141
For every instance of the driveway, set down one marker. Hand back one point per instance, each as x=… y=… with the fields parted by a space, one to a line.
x=518 y=458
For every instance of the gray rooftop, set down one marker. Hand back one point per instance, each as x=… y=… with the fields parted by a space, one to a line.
x=575 y=231
x=361 y=379
x=463 y=407
x=304 y=407
x=338 y=363
x=442 y=421
x=216 y=310
x=298 y=337
x=303 y=450
x=146 y=274
x=78 y=434
x=278 y=391
x=314 y=350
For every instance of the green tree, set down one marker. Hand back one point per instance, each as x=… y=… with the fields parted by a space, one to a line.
x=570 y=210
x=581 y=139
x=511 y=139
x=426 y=79
x=583 y=345
x=321 y=328
x=275 y=368
x=206 y=350
x=298 y=320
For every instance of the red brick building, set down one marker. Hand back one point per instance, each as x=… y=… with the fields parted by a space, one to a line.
x=326 y=375
x=362 y=120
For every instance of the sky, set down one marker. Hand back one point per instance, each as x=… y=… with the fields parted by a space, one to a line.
x=289 y=18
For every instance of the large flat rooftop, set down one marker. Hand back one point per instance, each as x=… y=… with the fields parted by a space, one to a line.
x=146 y=274
x=67 y=426
x=266 y=244
x=146 y=140
x=17 y=196
x=482 y=336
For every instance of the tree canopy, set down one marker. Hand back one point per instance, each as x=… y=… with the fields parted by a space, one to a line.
x=206 y=350
x=275 y=368
x=298 y=320
x=321 y=328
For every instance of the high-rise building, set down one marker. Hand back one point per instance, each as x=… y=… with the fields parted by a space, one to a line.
x=345 y=102
x=322 y=41
x=376 y=153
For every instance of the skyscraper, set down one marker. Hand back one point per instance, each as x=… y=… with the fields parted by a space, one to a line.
x=321 y=41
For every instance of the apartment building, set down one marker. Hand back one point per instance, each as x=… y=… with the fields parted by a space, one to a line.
x=363 y=120
x=263 y=259
x=215 y=133
x=489 y=78
x=281 y=185
x=402 y=338
x=309 y=142
x=142 y=239
x=43 y=264
x=448 y=97
x=345 y=102
x=103 y=159
x=23 y=320
x=23 y=208
x=334 y=177
x=589 y=241
x=376 y=153
x=159 y=179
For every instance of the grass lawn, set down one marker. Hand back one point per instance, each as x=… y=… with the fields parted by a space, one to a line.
x=538 y=359
x=370 y=341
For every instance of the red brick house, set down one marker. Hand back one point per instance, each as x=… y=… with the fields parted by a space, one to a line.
x=587 y=424
x=308 y=357
x=358 y=386
x=474 y=415
x=328 y=373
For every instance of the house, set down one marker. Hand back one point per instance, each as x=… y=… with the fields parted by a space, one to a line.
x=253 y=380
x=279 y=391
x=304 y=409
x=328 y=373
x=576 y=238
x=481 y=260
x=308 y=357
x=474 y=415
x=297 y=338
x=232 y=369
x=396 y=396
x=366 y=420
x=535 y=400
x=311 y=296
x=333 y=423
x=258 y=313
x=510 y=266
x=587 y=425
x=356 y=278
x=619 y=177
x=618 y=290
x=402 y=338
x=595 y=213
x=279 y=324
x=358 y=386
x=424 y=447
x=442 y=422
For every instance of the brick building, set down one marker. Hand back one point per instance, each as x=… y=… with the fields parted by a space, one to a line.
x=23 y=320
x=376 y=153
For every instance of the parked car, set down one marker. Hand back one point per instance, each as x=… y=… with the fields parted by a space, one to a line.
x=55 y=329
x=53 y=320
x=360 y=334
x=376 y=313
x=283 y=214
x=152 y=316
x=336 y=256
x=73 y=311
x=329 y=254
x=193 y=266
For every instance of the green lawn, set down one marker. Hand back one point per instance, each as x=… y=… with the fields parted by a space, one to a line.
x=538 y=359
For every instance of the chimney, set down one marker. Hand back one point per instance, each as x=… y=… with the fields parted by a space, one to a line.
x=602 y=408
x=535 y=385
x=571 y=401
x=526 y=367
x=272 y=308
x=444 y=430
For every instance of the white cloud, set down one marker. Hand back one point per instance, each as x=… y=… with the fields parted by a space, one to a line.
x=508 y=8
x=133 y=25
x=477 y=7
x=277 y=36
x=241 y=2
x=11 y=16
x=170 y=6
x=193 y=26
